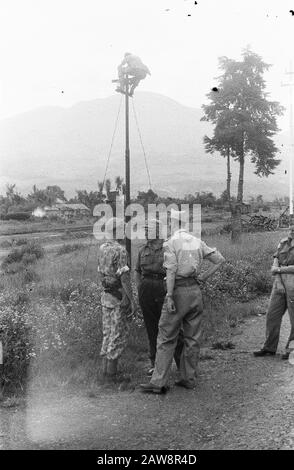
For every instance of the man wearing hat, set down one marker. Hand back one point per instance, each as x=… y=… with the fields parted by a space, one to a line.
x=150 y=275
x=131 y=65
x=117 y=298
x=183 y=256
x=282 y=297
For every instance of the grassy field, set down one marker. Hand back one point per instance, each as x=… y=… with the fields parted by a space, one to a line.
x=51 y=315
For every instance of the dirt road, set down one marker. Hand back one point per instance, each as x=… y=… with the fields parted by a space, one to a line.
x=240 y=403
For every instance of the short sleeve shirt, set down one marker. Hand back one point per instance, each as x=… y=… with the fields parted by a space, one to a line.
x=112 y=259
x=285 y=252
x=135 y=62
x=150 y=259
x=184 y=254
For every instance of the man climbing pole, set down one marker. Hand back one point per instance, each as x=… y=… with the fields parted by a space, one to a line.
x=133 y=67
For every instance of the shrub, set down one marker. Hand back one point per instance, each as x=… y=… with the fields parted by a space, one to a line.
x=238 y=280
x=30 y=276
x=207 y=219
x=6 y=244
x=15 y=334
x=81 y=234
x=45 y=332
x=13 y=267
x=68 y=248
x=17 y=216
x=29 y=258
x=227 y=228
x=26 y=254
x=19 y=241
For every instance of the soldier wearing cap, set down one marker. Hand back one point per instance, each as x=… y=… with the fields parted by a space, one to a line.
x=282 y=297
x=183 y=256
x=116 y=300
x=150 y=275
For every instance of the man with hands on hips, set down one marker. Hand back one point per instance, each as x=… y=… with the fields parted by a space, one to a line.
x=183 y=257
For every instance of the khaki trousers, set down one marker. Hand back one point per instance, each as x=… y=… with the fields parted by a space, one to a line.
x=188 y=315
x=279 y=302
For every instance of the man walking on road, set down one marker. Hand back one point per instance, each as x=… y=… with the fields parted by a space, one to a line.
x=183 y=256
x=117 y=298
x=282 y=297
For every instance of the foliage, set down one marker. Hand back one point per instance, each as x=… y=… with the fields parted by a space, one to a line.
x=69 y=247
x=15 y=326
x=37 y=331
x=47 y=196
x=205 y=198
x=16 y=216
x=239 y=280
x=51 y=319
x=89 y=198
x=243 y=117
x=26 y=254
x=147 y=197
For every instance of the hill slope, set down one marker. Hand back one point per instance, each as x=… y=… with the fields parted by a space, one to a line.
x=69 y=147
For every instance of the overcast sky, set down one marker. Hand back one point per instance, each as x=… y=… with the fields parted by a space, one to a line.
x=50 y=46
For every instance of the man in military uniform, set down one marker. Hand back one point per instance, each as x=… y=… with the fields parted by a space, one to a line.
x=150 y=275
x=183 y=256
x=282 y=297
x=117 y=299
x=131 y=65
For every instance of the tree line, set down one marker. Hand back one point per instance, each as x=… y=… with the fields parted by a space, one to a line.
x=245 y=122
x=13 y=202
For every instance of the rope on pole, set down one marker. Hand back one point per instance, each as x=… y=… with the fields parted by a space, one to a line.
x=142 y=145
x=103 y=183
x=112 y=141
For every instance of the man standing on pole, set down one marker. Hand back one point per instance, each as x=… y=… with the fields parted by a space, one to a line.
x=183 y=256
x=135 y=69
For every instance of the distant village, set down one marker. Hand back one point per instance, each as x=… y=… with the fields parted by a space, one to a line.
x=51 y=204
x=63 y=210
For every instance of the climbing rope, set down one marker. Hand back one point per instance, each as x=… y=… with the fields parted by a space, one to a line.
x=103 y=183
x=142 y=145
x=112 y=141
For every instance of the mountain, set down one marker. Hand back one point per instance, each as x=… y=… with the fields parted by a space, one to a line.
x=69 y=147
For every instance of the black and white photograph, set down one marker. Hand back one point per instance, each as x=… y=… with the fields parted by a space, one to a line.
x=146 y=229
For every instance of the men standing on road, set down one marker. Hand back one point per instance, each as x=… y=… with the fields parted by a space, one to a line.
x=117 y=301
x=282 y=297
x=183 y=256
x=132 y=66
x=150 y=275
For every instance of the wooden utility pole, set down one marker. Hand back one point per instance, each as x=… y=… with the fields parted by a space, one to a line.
x=127 y=169
x=290 y=85
x=1 y=363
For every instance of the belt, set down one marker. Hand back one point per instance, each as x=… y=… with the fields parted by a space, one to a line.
x=186 y=281
x=154 y=276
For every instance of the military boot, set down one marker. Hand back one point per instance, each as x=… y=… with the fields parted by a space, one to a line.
x=112 y=370
x=103 y=373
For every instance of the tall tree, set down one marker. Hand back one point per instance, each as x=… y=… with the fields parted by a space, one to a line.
x=46 y=196
x=55 y=192
x=220 y=143
x=244 y=118
x=89 y=198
